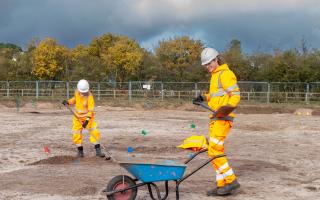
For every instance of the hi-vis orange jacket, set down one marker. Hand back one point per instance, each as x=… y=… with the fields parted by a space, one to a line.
x=223 y=89
x=84 y=105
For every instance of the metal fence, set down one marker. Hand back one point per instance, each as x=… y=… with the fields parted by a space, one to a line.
x=280 y=92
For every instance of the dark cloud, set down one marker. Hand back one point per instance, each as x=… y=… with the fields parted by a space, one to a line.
x=262 y=25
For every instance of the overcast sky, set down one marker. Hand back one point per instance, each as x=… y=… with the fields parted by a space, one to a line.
x=259 y=24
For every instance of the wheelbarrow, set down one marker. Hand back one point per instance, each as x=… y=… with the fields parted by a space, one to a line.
x=123 y=187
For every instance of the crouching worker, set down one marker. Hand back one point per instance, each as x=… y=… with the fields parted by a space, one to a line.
x=84 y=106
x=223 y=98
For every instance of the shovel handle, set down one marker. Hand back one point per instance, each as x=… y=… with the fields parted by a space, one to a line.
x=72 y=112
x=204 y=106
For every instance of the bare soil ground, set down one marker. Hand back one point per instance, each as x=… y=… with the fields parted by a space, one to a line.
x=275 y=156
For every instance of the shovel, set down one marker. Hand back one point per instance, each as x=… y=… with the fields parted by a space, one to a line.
x=223 y=111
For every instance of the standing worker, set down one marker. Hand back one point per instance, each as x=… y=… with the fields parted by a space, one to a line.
x=223 y=98
x=84 y=105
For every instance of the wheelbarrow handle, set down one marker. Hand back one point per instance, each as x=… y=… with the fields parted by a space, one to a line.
x=194 y=155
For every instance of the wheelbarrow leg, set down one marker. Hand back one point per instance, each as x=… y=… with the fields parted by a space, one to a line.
x=158 y=191
x=177 y=190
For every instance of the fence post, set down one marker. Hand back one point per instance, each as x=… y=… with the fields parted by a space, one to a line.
x=67 y=86
x=268 y=93
x=130 y=92
x=196 y=88
x=307 y=94
x=37 y=89
x=8 y=89
x=98 y=91
x=162 y=91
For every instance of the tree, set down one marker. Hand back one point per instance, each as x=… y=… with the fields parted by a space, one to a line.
x=122 y=56
x=49 y=60
x=238 y=62
x=16 y=48
x=150 y=69
x=8 y=57
x=180 y=59
x=260 y=62
x=84 y=65
x=284 y=67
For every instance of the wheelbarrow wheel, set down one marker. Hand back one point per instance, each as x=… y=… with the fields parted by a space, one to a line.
x=120 y=182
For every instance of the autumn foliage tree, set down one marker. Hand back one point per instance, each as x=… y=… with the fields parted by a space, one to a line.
x=120 y=58
x=49 y=60
x=85 y=65
x=180 y=58
x=121 y=55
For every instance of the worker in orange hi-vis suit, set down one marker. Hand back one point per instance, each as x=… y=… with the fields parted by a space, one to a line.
x=223 y=97
x=84 y=106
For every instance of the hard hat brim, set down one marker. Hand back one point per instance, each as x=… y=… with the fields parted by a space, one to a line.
x=204 y=63
x=83 y=91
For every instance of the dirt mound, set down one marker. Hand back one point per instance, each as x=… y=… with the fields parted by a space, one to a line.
x=56 y=160
x=316 y=112
x=257 y=109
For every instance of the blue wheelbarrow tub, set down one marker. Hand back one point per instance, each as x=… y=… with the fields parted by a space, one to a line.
x=157 y=171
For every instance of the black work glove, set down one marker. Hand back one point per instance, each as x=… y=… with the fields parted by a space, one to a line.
x=85 y=123
x=65 y=102
x=198 y=100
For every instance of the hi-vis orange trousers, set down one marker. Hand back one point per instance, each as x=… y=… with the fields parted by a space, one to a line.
x=77 y=131
x=218 y=132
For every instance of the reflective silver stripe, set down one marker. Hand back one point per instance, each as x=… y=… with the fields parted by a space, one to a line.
x=224 y=166
x=235 y=93
x=228 y=173
x=219 y=80
x=229 y=89
x=219 y=177
x=81 y=111
x=78 y=145
x=217 y=94
x=220 y=91
x=216 y=141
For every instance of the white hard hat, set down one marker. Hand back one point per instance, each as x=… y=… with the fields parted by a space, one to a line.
x=83 y=86
x=207 y=55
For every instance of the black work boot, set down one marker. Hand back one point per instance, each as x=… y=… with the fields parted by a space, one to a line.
x=228 y=188
x=98 y=150
x=212 y=192
x=80 y=152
